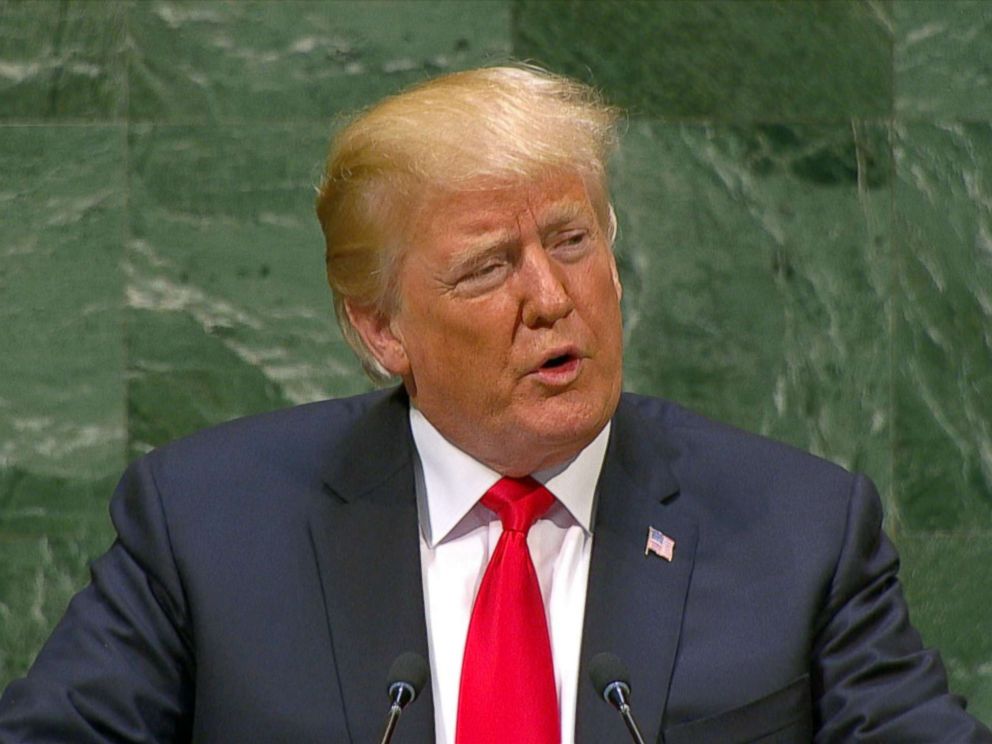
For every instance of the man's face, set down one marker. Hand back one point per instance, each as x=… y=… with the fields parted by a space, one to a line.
x=507 y=332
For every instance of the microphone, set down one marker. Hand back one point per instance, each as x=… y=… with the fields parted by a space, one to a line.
x=610 y=678
x=407 y=677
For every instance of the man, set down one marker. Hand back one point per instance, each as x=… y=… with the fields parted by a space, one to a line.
x=268 y=571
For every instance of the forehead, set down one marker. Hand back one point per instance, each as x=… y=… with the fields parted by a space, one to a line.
x=498 y=207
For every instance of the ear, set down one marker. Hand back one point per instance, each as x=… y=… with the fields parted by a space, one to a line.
x=611 y=236
x=376 y=330
x=616 y=277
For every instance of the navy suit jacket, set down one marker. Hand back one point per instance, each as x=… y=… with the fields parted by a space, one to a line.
x=267 y=572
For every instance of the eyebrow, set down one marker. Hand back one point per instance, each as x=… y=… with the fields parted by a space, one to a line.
x=487 y=245
x=494 y=242
x=560 y=214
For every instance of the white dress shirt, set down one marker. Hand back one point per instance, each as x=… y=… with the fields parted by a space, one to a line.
x=457 y=536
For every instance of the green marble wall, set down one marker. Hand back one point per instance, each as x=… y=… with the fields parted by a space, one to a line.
x=805 y=198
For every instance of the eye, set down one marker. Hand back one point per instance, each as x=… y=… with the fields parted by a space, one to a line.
x=571 y=244
x=482 y=277
x=485 y=269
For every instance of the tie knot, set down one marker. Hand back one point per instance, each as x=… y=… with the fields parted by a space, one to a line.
x=519 y=502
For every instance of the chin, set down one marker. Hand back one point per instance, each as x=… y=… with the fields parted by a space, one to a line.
x=571 y=422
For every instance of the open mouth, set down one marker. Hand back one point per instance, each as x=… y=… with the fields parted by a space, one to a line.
x=561 y=367
x=558 y=361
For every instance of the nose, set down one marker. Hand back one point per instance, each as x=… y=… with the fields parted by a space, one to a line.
x=545 y=296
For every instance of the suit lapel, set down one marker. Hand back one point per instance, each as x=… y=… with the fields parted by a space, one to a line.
x=634 y=602
x=364 y=533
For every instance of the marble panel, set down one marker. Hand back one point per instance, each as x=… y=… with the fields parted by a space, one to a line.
x=943 y=325
x=50 y=528
x=948 y=584
x=61 y=60
x=61 y=385
x=943 y=59
x=287 y=61
x=62 y=211
x=756 y=267
x=229 y=310
x=723 y=59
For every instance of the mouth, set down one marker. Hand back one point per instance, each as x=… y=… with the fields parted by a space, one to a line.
x=559 y=368
x=558 y=361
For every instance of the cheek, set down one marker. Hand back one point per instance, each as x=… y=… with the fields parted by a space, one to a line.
x=449 y=338
x=601 y=294
x=486 y=325
x=606 y=319
x=460 y=347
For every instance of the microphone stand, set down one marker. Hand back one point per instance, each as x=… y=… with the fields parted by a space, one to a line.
x=401 y=695
x=628 y=719
x=391 y=719
x=616 y=693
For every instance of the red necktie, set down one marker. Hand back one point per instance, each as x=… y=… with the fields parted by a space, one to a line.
x=507 y=691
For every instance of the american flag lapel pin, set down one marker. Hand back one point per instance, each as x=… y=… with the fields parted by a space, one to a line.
x=660 y=544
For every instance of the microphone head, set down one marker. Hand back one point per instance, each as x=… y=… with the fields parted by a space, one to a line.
x=410 y=670
x=606 y=669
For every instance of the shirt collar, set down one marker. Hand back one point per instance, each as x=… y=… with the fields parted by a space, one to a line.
x=454 y=481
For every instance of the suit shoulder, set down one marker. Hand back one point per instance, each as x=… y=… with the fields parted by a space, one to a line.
x=699 y=442
x=288 y=432
x=749 y=491
x=255 y=458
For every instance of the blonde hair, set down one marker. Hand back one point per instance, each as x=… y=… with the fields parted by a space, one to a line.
x=454 y=132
